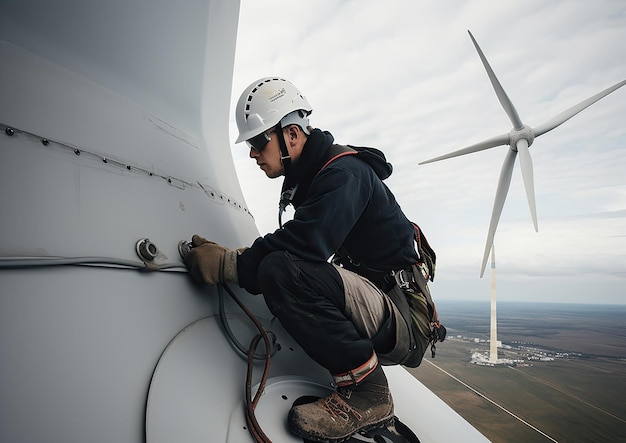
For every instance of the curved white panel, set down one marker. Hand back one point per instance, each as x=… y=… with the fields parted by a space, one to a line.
x=114 y=127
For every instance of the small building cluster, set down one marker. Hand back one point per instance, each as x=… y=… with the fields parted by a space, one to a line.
x=515 y=354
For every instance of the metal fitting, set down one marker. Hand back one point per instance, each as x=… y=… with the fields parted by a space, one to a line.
x=146 y=250
x=184 y=248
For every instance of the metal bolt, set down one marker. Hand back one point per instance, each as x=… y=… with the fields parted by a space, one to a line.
x=9 y=131
x=184 y=247
x=45 y=141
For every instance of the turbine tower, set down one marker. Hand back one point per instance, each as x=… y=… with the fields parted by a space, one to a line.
x=519 y=139
x=493 y=340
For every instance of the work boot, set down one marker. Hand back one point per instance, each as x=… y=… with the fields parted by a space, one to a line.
x=351 y=408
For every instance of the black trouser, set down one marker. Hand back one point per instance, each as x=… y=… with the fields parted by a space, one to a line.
x=308 y=299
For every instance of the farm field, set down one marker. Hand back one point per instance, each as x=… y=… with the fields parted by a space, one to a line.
x=576 y=396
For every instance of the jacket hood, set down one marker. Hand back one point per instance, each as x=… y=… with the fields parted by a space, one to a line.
x=313 y=157
x=376 y=159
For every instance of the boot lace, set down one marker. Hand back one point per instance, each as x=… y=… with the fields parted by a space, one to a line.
x=337 y=407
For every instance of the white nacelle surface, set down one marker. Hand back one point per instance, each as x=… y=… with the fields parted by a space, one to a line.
x=114 y=119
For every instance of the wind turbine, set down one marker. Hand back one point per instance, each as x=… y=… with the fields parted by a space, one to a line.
x=519 y=139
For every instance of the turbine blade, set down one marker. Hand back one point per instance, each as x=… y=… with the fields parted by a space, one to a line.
x=503 y=188
x=502 y=97
x=526 y=164
x=569 y=113
x=492 y=142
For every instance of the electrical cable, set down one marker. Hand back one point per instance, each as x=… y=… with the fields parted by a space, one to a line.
x=37 y=262
x=108 y=262
x=240 y=348
x=253 y=426
x=251 y=402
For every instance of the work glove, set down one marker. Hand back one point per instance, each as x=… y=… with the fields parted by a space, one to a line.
x=211 y=263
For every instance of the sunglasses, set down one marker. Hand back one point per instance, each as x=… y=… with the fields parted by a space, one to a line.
x=259 y=142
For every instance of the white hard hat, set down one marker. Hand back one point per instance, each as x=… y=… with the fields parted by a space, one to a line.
x=266 y=102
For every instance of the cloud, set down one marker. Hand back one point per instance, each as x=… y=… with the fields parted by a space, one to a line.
x=404 y=76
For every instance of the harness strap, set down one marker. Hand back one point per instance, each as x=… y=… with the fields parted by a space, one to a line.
x=332 y=159
x=335 y=152
x=357 y=375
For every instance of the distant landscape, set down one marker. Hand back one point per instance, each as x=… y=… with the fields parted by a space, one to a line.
x=568 y=377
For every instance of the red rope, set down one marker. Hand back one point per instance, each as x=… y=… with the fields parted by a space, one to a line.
x=253 y=425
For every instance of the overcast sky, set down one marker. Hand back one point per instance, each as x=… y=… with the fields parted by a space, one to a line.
x=403 y=76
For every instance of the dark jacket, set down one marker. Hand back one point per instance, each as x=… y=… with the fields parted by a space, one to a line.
x=343 y=209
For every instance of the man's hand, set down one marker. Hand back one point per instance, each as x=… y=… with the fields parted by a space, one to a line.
x=211 y=263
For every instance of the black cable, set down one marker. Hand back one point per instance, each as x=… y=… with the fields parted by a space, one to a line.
x=37 y=262
x=241 y=350
x=253 y=425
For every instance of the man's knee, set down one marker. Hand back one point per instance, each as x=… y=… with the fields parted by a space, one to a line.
x=287 y=280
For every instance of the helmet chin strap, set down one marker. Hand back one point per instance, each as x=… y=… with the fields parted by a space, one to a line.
x=285 y=158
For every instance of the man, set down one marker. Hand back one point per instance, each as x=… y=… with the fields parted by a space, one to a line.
x=338 y=312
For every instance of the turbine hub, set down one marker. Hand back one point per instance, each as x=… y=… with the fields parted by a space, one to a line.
x=526 y=133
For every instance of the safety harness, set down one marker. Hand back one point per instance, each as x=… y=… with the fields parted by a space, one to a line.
x=286 y=197
x=412 y=294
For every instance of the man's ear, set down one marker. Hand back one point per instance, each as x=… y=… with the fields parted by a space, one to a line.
x=292 y=133
x=295 y=139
